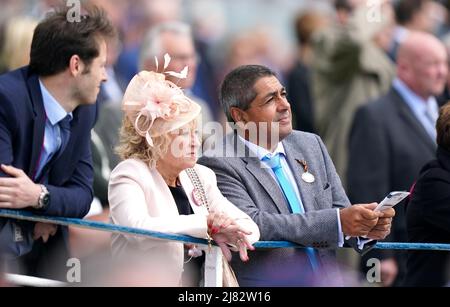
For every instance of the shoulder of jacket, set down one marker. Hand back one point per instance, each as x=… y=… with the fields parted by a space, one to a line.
x=300 y=137
x=132 y=168
x=204 y=171
x=437 y=173
x=13 y=87
x=380 y=104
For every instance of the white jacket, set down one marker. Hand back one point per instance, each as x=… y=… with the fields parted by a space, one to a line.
x=139 y=197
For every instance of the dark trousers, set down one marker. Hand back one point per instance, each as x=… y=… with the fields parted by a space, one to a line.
x=46 y=260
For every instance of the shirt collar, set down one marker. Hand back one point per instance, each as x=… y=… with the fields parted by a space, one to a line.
x=262 y=152
x=412 y=99
x=400 y=34
x=54 y=111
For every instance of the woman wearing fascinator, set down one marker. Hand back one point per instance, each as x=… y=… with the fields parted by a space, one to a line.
x=158 y=186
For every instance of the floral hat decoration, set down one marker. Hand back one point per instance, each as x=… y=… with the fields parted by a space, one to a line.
x=155 y=105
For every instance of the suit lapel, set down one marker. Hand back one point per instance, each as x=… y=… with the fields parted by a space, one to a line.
x=411 y=120
x=35 y=95
x=261 y=175
x=306 y=189
x=268 y=183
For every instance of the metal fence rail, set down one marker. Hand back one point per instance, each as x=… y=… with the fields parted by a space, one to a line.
x=213 y=271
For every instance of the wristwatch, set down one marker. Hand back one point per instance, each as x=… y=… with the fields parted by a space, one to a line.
x=44 y=198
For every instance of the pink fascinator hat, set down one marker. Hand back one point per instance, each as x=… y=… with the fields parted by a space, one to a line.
x=157 y=106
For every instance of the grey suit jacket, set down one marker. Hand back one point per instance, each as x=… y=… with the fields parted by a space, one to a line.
x=251 y=188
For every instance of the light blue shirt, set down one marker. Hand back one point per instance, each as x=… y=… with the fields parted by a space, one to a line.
x=419 y=107
x=262 y=152
x=52 y=135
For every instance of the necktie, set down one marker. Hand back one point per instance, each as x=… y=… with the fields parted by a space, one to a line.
x=294 y=201
x=432 y=118
x=64 y=125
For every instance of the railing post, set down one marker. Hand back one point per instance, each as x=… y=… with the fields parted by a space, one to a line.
x=30 y=281
x=213 y=267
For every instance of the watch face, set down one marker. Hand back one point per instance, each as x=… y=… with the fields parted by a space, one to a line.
x=46 y=200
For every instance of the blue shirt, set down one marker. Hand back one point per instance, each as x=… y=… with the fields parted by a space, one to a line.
x=52 y=136
x=262 y=152
x=419 y=107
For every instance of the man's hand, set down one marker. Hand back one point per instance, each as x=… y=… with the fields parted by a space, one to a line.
x=359 y=220
x=44 y=231
x=19 y=191
x=383 y=227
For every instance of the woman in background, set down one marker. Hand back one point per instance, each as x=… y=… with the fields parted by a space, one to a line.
x=428 y=213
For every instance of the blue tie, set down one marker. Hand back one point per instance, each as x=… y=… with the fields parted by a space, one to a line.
x=294 y=202
x=64 y=133
x=432 y=118
x=64 y=125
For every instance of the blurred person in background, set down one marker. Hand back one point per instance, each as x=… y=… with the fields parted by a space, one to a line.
x=142 y=15
x=445 y=96
x=394 y=136
x=16 y=44
x=88 y=244
x=151 y=188
x=254 y=46
x=411 y=15
x=209 y=24
x=112 y=90
x=175 y=39
x=350 y=67
x=299 y=86
x=12 y=8
x=428 y=214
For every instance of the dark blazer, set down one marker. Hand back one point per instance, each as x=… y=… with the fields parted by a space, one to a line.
x=387 y=148
x=22 y=125
x=428 y=220
x=244 y=182
x=300 y=97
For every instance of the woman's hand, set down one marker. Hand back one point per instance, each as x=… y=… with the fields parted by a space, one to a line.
x=227 y=233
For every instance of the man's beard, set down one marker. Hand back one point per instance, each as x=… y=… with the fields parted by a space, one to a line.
x=81 y=97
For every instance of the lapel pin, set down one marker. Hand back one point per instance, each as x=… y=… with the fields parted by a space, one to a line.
x=306 y=176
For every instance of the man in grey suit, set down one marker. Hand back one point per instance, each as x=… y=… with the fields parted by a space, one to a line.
x=297 y=198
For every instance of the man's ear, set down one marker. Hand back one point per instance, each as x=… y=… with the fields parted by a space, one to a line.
x=237 y=114
x=76 y=65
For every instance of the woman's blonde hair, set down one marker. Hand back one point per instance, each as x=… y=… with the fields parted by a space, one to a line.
x=133 y=146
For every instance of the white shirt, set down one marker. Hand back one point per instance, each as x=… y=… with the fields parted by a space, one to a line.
x=419 y=107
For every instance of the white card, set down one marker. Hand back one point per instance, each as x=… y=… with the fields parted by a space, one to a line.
x=391 y=200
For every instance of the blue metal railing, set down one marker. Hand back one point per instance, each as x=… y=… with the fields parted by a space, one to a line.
x=25 y=215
